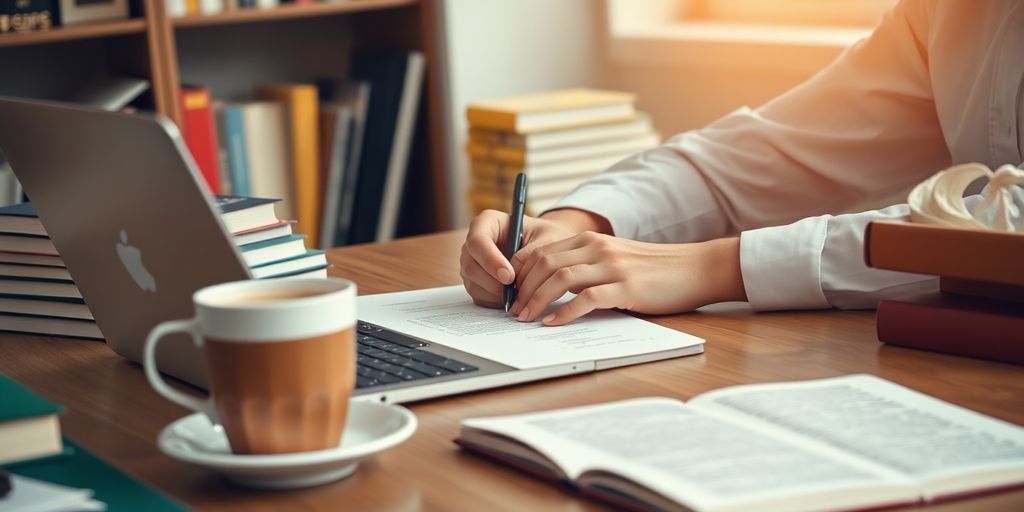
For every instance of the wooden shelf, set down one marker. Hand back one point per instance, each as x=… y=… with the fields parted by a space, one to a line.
x=290 y=11
x=72 y=33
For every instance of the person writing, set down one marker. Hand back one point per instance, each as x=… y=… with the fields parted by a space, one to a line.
x=743 y=209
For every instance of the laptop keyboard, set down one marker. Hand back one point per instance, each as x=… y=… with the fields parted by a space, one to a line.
x=386 y=357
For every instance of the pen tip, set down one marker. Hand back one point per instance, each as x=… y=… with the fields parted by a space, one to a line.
x=506 y=308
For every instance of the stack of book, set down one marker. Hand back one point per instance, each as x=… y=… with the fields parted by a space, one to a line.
x=335 y=153
x=559 y=139
x=41 y=470
x=978 y=310
x=39 y=296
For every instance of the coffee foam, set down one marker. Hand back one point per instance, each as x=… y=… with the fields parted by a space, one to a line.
x=224 y=315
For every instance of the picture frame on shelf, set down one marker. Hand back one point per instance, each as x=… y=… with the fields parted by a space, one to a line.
x=76 y=12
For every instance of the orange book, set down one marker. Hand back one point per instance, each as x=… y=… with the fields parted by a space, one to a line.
x=300 y=101
x=551 y=110
x=968 y=254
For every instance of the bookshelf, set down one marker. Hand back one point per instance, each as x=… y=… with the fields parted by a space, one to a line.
x=292 y=42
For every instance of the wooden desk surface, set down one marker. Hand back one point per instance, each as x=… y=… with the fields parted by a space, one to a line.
x=112 y=411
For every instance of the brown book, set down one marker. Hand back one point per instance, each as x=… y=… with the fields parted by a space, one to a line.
x=976 y=255
x=954 y=324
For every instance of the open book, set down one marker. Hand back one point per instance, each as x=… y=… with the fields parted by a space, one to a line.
x=844 y=443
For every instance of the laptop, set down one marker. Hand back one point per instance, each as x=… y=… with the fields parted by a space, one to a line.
x=121 y=197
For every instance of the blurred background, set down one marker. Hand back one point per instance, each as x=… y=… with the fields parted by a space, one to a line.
x=688 y=61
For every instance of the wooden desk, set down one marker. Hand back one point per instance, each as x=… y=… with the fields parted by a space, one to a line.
x=113 y=411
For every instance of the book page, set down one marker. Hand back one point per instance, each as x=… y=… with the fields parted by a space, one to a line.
x=880 y=421
x=689 y=456
x=448 y=316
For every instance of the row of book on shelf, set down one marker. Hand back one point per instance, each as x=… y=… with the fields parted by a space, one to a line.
x=178 y=8
x=559 y=139
x=38 y=295
x=336 y=152
x=30 y=15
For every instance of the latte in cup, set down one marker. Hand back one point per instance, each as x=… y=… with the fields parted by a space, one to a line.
x=281 y=361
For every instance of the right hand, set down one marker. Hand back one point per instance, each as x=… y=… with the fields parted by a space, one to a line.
x=484 y=268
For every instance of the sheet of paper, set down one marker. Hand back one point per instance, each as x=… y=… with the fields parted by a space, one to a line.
x=448 y=315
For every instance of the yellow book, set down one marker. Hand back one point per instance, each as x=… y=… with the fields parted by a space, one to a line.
x=191 y=7
x=551 y=110
x=300 y=101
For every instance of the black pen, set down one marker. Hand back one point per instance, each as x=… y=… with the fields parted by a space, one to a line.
x=515 y=232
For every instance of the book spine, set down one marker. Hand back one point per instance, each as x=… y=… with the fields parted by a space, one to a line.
x=27 y=15
x=302 y=112
x=238 y=162
x=950 y=330
x=200 y=136
x=950 y=252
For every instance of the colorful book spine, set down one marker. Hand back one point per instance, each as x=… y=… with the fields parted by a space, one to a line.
x=302 y=108
x=200 y=134
x=233 y=139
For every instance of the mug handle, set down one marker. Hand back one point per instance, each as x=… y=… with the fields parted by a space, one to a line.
x=190 y=326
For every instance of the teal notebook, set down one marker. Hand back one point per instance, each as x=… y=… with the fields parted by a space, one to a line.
x=78 y=468
x=74 y=466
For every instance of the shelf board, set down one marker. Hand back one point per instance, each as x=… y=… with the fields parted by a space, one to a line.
x=75 y=32
x=290 y=11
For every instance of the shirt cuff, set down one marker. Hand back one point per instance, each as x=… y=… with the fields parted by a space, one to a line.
x=781 y=265
x=607 y=202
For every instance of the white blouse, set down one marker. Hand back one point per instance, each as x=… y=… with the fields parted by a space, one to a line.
x=937 y=83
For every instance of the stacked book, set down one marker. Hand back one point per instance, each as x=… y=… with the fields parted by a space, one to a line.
x=978 y=310
x=559 y=139
x=39 y=296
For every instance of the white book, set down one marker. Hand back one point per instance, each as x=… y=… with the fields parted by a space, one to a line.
x=312 y=260
x=7 y=269
x=582 y=135
x=490 y=170
x=30 y=306
x=273 y=250
x=266 y=144
x=520 y=156
x=335 y=161
x=846 y=443
x=65 y=289
x=50 y=326
x=398 y=162
x=176 y=8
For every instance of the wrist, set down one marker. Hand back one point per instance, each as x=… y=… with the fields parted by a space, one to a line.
x=578 y=220
x=722 y=264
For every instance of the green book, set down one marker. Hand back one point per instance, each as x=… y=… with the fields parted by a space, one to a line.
x=78 y=468
x=29 y=426
x=29 y=419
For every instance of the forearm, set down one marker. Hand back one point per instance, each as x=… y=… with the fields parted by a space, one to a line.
x=579 y=220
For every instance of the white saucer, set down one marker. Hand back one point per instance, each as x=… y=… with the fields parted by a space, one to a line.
x=371 y=427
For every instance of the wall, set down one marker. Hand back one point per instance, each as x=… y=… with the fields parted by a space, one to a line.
x=494 y=48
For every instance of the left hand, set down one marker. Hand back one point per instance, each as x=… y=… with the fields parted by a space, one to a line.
x=609 y=272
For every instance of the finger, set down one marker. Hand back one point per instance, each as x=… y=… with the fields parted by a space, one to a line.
x=541 y=271
x=596 y=297
x=524 y=264
x=576 y=277
x=482 y=297
x=471 y=271
x=486 y=231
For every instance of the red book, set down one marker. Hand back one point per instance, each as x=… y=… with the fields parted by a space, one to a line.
x=954 y=324
x=200 y=133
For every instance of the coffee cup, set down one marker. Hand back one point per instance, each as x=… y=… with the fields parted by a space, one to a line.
x=280 y=355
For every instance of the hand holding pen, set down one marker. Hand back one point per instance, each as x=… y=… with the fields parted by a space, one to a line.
x=515 y=232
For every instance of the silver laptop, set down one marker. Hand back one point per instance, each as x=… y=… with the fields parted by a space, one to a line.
x=122 y=200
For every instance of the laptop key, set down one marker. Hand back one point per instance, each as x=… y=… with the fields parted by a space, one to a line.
x=365 y=382
x=433 y=371
x=455 y=366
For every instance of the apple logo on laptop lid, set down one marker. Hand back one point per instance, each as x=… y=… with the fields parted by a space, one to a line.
x=131 y=258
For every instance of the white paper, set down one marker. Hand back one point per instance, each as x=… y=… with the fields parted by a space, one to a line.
x=448 y=316
x=30 y=495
